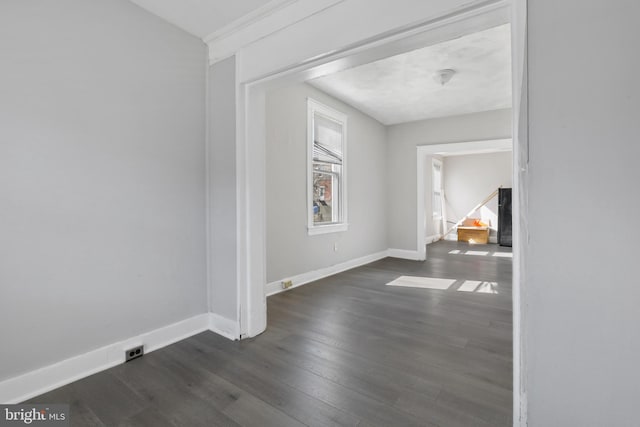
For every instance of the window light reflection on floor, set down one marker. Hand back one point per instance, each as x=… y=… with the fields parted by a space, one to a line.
x=503 y=254
x=482 y=253
x=479 y=287
x=477 y=253
x=472 y=286
x=422 y=282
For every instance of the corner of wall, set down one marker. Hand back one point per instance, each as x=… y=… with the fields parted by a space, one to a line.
x=226 y=327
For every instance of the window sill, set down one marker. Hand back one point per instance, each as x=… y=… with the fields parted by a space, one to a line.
x=329 y=228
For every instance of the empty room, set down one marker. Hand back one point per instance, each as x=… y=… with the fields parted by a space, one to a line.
x=318 y=212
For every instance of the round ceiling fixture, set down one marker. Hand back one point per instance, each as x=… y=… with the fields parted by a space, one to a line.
x=443 y=76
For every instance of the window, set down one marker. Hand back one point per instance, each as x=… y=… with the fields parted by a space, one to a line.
x=437 y=189
x=437 y=198
x=326 y=187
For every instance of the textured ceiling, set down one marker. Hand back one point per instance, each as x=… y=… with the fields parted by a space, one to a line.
x=200 y=17
x=403 y=88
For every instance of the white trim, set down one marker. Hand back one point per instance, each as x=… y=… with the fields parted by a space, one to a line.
x=247 y=19
x=421 y=218
x=314 y=107
x=34 y=383
x=468 y=147
x=251 y=209
x=325 y=229
x=208 y=199
x=228 y=328
x=477 y=15
x=520 y=122
x=405 y=254
x=433 y=238
x=273 y=16
x=304 y=278
x=242 y=221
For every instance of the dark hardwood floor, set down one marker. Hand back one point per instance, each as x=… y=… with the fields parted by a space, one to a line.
x=346 y=350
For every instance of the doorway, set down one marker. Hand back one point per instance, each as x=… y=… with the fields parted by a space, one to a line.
x=424 y=195
x=251 y=139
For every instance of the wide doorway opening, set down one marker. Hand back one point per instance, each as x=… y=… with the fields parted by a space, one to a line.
x=362 y=275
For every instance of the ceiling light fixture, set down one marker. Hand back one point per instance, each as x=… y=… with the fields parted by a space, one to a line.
x=443 y=76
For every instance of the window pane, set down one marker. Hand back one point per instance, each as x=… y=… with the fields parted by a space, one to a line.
x=323 y=185
x=437 y=205
x=327 y=140
x=436 y=190
x=437 y=177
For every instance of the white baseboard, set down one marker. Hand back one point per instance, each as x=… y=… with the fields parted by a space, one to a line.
x=34 y=383
x=304 y=278
x=433 y=238
x=222 y=326
x=404 y=254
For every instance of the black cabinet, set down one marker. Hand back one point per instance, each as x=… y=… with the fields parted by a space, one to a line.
x=504 y=217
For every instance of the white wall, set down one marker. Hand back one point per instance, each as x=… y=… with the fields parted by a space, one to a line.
x=469 y=179
x=582 y=339
x=221 y=155
x=102 y=177
x=290 y=250
x=401 y=157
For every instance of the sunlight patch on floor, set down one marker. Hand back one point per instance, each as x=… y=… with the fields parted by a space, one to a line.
x=503 y=254
x=471 y=286
x=482 y=253
x=477 y=253
x=422 y=282
x=479 y=287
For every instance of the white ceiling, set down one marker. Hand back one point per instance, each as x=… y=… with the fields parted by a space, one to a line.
x=202 y=17
x=402 y=88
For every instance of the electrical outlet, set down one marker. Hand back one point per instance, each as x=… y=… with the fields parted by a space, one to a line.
x=287 y=284
x=133 y=353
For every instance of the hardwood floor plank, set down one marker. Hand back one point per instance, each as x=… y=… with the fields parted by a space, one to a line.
x=106 y=397
x=273 y=368
x=172 y=395
x=253 y=373
x=441 y=415
x=252 y=412
x=148 y=417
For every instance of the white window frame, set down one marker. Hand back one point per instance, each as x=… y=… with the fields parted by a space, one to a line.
x=437 y=162
x=314 y=107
